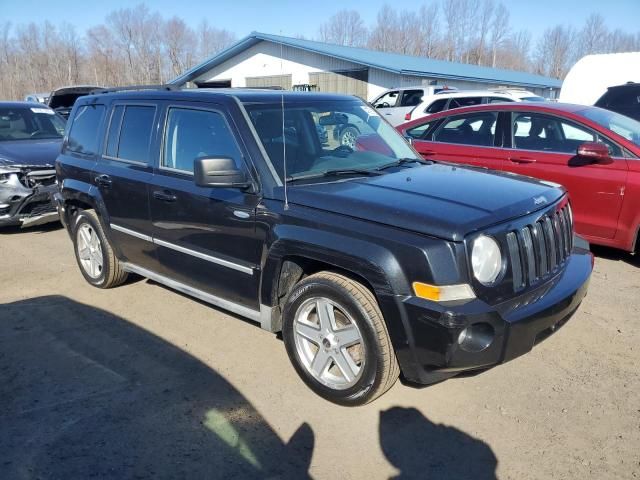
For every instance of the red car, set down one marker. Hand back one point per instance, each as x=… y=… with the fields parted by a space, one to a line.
x=594 y=153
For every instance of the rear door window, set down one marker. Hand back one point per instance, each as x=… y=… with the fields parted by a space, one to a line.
x=83 y=136
x=464 y=102
x=411 y=98
x=498 y=100
x=436 y=106
x=130 y=130
x=473 y=129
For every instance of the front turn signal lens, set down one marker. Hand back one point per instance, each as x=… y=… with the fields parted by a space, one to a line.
x=443 y=293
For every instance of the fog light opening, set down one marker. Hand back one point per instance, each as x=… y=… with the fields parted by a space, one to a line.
x=476 y=338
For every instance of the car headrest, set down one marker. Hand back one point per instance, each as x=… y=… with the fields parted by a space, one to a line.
x=536 y=128
x=269 y=125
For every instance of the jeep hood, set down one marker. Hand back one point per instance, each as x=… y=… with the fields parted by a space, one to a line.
x=440 y=200
x=66 y=97
x=29 y=152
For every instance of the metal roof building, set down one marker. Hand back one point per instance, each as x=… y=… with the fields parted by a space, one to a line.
x=262 y=60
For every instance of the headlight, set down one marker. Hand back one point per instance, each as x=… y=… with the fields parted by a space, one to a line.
x=486 y=259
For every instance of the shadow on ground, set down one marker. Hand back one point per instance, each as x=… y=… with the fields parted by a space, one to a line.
x=420 y=448
x=44 y=228
x=87 y=394
x=616 y=255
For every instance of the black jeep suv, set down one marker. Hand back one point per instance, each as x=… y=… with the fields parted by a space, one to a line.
x=370 y=260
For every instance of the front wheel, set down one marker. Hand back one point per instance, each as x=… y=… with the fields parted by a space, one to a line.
x=337 y=340
x=348 y=137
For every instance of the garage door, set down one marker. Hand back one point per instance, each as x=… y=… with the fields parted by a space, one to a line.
x=283 y=81
x=351 y=82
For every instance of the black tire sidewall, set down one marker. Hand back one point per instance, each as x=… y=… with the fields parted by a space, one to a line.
x=80 y=219
x=357 y=394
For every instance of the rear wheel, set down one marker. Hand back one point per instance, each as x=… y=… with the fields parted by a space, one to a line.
x=96 y=259
x=337 y=340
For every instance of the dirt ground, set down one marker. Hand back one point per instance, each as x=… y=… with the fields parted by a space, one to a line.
x=142 y=382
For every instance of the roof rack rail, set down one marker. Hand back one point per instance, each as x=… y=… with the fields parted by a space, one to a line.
x=136 y=87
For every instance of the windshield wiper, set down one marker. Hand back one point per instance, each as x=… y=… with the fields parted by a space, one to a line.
x=404 y=161
x=335 y=172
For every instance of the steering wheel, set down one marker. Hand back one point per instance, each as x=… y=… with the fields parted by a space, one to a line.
x=383 y=105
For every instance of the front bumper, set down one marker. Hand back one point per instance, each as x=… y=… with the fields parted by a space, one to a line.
x=433 y=351
x=27 y=207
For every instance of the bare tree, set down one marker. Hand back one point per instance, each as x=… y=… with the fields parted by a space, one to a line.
x=499 y=31
x=429 y=30
x=515 y=52
x=383 y=35
x=345 y=27
x=483 y=26
x=554 y=51
x=212 y=40
x=179 y=41
x=593 y=36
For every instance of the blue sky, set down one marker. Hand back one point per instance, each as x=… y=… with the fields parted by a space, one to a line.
x=279 y=16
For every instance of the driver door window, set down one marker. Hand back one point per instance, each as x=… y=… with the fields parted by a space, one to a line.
x=192 y=134
x=387 y=100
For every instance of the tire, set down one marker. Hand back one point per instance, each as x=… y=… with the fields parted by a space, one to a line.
x=348 y=137
x=321 y=355
x=94 y=254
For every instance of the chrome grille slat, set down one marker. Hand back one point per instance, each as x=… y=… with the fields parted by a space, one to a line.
x=538 y=234
x=539 y=249
x=516 y=266
x=559 y=236
x=551 y=242
x=529 y=255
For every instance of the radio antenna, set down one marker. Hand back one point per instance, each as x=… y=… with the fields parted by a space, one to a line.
x=284 y=143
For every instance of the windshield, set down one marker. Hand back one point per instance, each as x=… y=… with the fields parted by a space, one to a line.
x=533 y=99
x=323 y=136
x=26 y=123
x=624 y=126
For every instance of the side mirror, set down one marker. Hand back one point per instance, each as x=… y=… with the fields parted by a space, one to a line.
x=409 y=139
x=596 y=152
x=218 y=172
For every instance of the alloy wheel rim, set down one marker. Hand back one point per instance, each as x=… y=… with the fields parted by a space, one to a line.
x=89 y=250
x=349 y=139
x=329 y=343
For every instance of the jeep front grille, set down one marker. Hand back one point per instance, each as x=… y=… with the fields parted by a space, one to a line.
x=540 y=249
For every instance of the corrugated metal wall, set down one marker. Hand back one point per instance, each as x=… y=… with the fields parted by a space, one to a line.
x=283 y=81
x=350 y=82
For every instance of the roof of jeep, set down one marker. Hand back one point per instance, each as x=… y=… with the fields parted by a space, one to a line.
x=245 y=95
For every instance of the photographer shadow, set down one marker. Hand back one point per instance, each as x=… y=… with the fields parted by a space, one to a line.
x=421 y=449
x=87 y=394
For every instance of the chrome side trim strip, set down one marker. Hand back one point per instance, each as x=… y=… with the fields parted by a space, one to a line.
x=133 y=233
x=204 y=296
x=203 y=256
x=187 y=251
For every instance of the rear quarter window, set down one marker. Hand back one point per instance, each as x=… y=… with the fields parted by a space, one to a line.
x=85 y=130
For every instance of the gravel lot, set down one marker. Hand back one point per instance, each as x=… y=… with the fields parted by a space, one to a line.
x=142 y=382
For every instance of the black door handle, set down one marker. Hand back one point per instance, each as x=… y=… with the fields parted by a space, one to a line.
x=103 y=181
x=164 y=196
